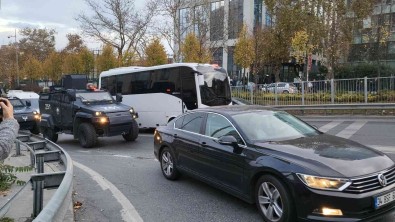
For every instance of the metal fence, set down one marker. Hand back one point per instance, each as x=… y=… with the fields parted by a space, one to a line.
x=41 y=151
x=334 y=91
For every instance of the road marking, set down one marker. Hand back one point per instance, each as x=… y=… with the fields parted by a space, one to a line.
x=351 y=129
x=329 y=126
x=385 y=149
x=128 y=212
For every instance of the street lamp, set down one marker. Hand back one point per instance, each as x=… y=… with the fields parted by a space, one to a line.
x=16 y=57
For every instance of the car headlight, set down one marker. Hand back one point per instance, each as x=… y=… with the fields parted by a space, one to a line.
x=98 y=113
x=131 y=110
x=324 y=183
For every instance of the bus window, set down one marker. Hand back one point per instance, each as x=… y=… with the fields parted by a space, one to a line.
x=174 y=77
x=111 y=85
x=189 y=95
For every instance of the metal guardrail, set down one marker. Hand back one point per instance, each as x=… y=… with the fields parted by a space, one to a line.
x=327 y=107
x=41 y=151
x=334 y=91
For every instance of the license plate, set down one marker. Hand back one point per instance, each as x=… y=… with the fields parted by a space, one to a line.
x=384 y=199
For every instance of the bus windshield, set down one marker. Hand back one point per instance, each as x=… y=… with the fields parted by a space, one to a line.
x=216 y=89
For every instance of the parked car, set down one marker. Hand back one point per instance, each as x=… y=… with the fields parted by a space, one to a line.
x=282 y=87
x=288 y=168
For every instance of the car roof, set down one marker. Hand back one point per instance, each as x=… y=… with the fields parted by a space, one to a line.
x=237 y=109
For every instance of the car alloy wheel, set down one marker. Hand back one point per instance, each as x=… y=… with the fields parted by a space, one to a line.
x=168 y=164
x=273 y=200
x=270 y=201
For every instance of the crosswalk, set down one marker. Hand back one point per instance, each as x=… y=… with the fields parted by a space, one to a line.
x=381 y=137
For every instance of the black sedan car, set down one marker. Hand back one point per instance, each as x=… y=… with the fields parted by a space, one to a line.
x=287 y=167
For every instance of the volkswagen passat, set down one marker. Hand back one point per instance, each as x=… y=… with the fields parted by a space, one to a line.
x=287 y=167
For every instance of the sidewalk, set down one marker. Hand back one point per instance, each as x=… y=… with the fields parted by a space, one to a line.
x=21 y=207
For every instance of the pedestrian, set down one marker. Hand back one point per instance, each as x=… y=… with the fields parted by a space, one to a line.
x=9 y=128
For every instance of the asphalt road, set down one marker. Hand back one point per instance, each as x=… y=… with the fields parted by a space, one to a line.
x=118 y=181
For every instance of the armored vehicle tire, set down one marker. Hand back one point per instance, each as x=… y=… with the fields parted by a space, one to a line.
x=49 y=134
x=133 y=133
x=87 y=135
x=35 y=129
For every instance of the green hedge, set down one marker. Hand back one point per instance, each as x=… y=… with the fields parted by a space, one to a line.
x=316 y=98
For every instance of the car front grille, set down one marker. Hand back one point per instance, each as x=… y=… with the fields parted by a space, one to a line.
x=370 y=183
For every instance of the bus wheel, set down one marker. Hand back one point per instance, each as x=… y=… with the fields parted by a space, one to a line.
x=133 y=133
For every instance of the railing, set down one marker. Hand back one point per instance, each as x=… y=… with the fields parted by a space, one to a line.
x=335 y=91
x=42 y=151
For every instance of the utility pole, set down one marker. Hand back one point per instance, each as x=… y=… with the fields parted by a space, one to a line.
x=16 y=58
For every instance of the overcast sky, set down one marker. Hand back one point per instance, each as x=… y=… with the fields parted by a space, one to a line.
x=51 y=14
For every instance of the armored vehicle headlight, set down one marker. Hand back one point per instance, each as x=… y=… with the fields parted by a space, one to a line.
x=103 y=120
x=36 y=115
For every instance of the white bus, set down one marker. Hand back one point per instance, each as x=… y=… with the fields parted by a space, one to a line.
x=161 y=93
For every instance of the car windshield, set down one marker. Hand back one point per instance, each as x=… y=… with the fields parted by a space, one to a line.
x=16 y=103
x=216 y=89
x=265 y=126
x=95 y=97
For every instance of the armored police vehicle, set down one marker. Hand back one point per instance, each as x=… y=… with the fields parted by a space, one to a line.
x=27 y=117
x=85 y=113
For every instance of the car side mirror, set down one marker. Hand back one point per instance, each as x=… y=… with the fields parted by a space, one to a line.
x=28 y=103
x=118 y=97
x=230 y=141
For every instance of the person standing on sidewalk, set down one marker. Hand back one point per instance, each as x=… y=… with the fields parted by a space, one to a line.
x=9 y=128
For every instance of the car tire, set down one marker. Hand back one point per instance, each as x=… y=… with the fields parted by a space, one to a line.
x=49 y=133
x=286 y=92
x=273 y=200
x=35 y=130
x=168 y=164
x=87 y=135
x=133 y=133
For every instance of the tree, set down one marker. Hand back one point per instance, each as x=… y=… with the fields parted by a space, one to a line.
x=32 y=69
x=52 y=67
x=169 y=27
x=194 y=51
x=37 y=42
x=75 y=44
x=72 y=63
x=117 y=23
x=155 y=53
x=178 y=19
x=87 y=61
x=7 y=65
x=106 y=60
x=244 y=51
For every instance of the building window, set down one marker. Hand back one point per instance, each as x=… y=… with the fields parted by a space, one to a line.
x=217 y=21
x=258 y=13
x=200 y=20
x=235 y=20
x=218 y=56
x=184 y=22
